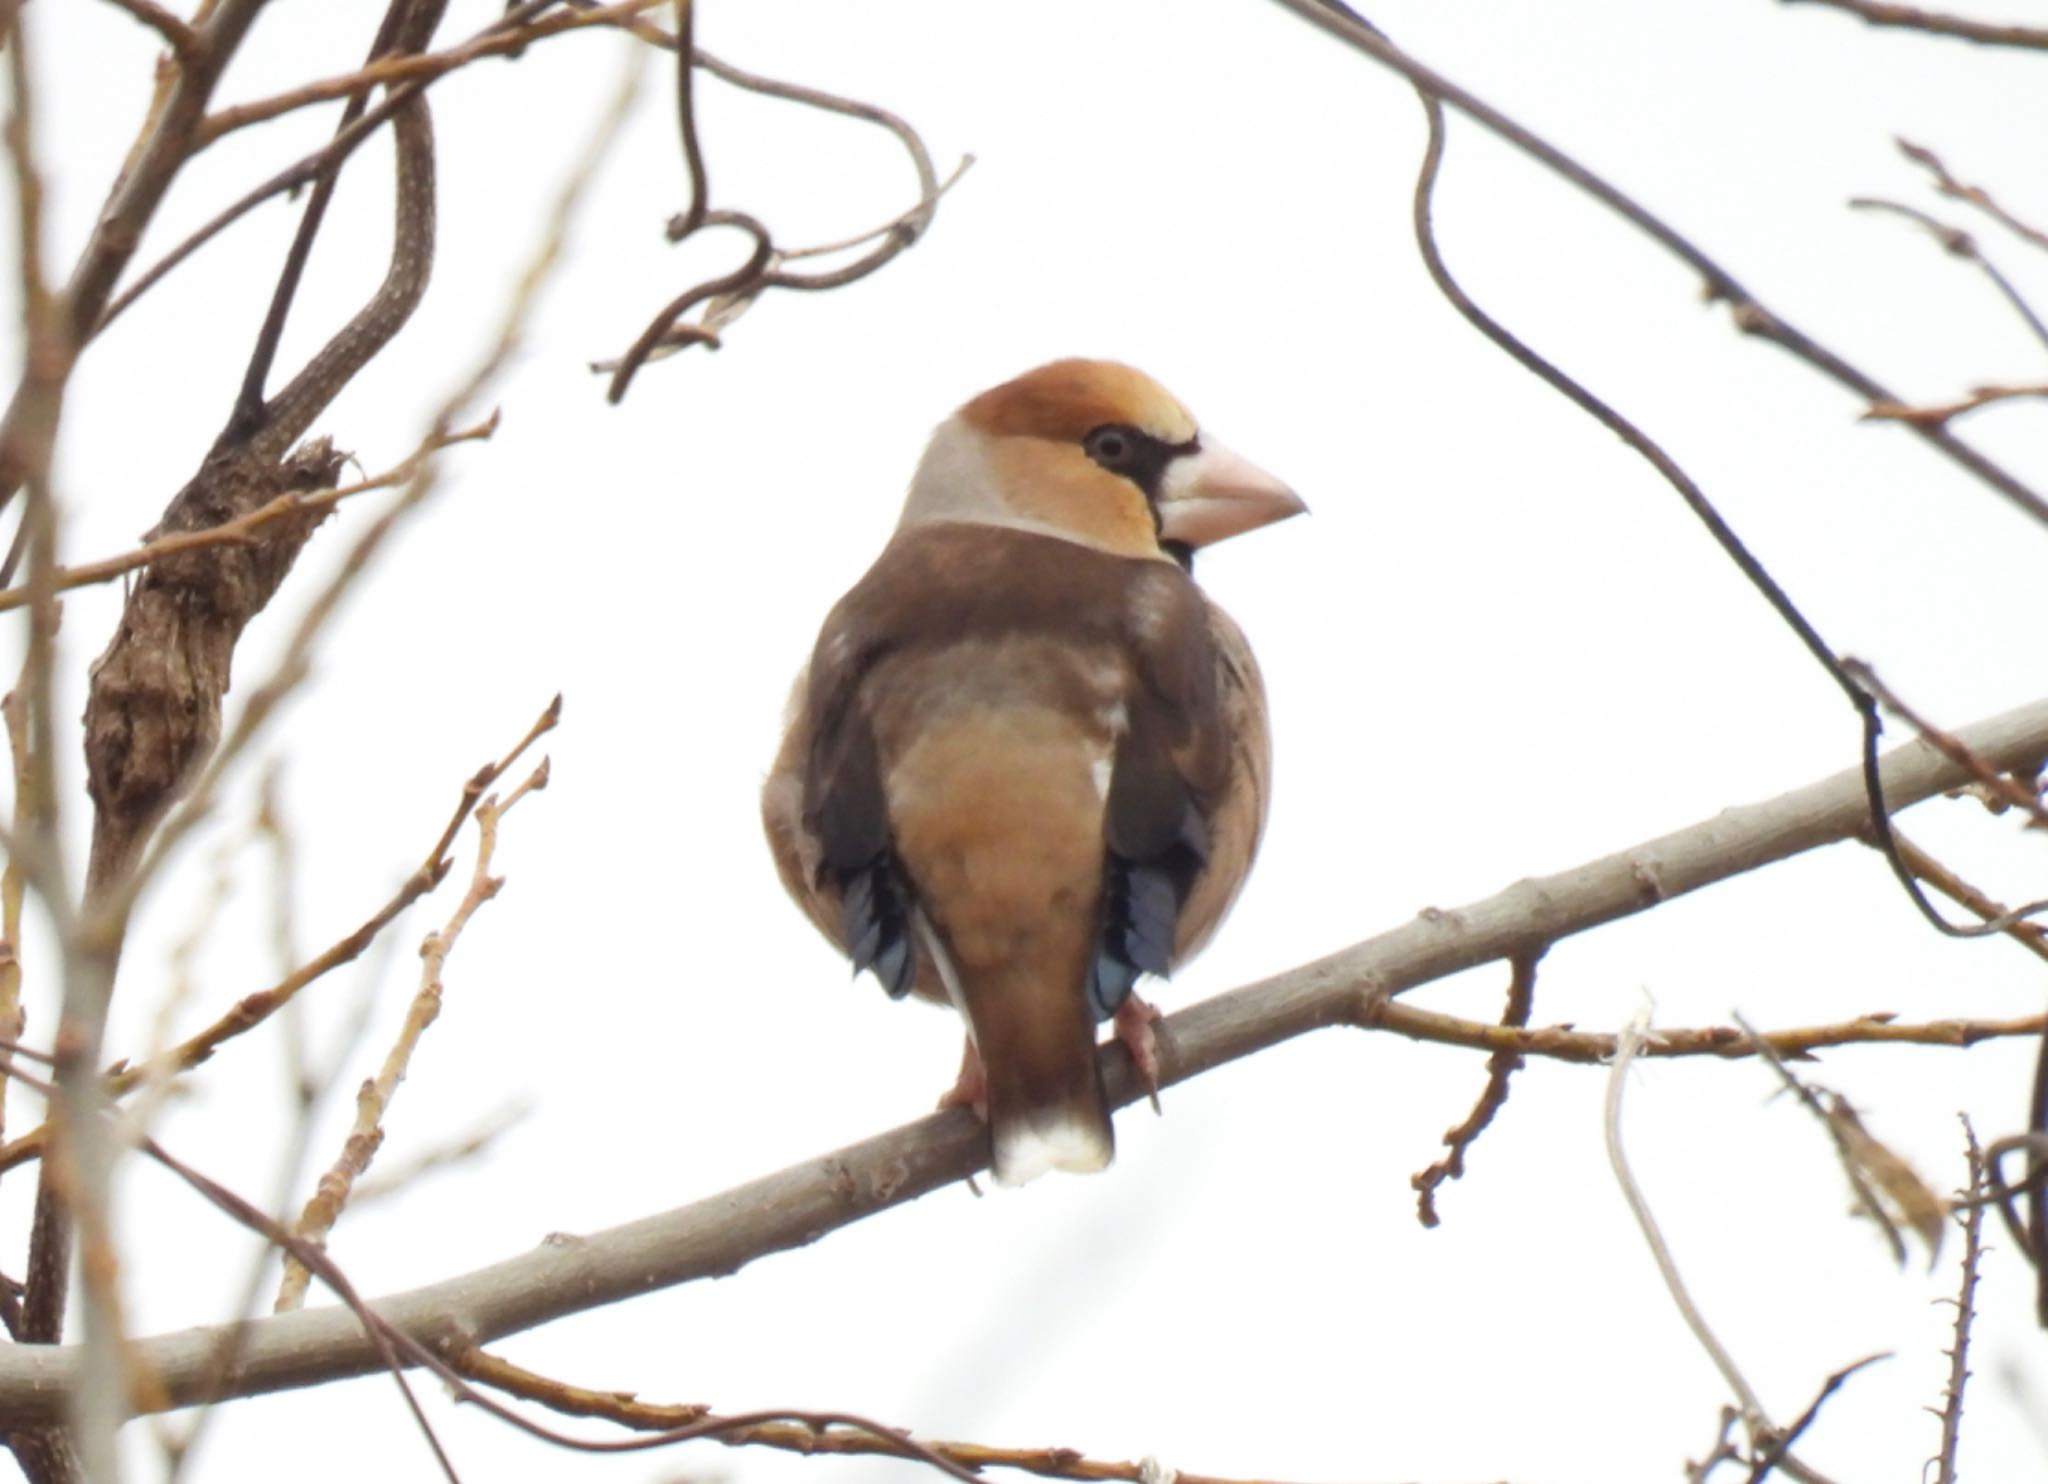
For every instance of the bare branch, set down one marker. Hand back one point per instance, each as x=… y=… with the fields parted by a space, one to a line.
x=1998 y=783
x=179 y=37
x=1944 y=412
x=1688 y=489
x=242 y=529
x=119 y=227
x=1972 y=1218
x=1936 y=23
x=729 y=295
x=798 y=1437
x=419 y=66
x=1773 y=1456
x=1958 y=243
x=308 y=169
x=1728 y=1042
x=802 y=1204
x=406 y=28
x=324 y=1208
x=394 y=1179
x=1750 y=314
x=2035 y=1236
x=1974 y=195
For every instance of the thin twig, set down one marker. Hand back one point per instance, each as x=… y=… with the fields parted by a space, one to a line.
x=731 y=294
x=244 y=528
x=295 y=662
x=1750 y=315
x=1974 y=195
x=405 y=29
x=304 y=171
x=1688 y=490
x=74 y=1184
x=2013 y=922
x=1725 y=1450
x=395 y=1179
x=2036 y=1243
x=2001 y=785
x=160 y=152
x=497 y=41
x=180 y=38
x=1773 y=1456
x=324 y=1208
x=252 y=1010
x=627 y=1410
x=1943 y=412
x=1936 y=23
x=1958 y=243
x=1500 y=1067
x=1972 y=1219
x=14 y=879
x=377 y=1333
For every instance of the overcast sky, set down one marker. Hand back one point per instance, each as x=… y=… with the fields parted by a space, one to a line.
x=1498 y=647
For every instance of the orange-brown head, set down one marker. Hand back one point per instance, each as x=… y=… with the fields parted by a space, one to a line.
x=1093 y=452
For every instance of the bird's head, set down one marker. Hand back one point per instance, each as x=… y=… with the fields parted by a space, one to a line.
x=1093 y=452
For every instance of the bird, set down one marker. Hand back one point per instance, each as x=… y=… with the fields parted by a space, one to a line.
x=1028 y=761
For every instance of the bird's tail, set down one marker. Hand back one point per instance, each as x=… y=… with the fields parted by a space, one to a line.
x=1046 y=1109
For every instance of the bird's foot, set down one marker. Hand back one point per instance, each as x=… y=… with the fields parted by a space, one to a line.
x=970 y=1090
x=1135 y=1019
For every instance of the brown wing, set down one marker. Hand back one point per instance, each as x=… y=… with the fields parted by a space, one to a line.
x=1187 y=799
x=1235 y=811
x=825 y=811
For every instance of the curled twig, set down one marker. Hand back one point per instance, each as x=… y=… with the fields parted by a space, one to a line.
x=1433 y=94
x=730 y=295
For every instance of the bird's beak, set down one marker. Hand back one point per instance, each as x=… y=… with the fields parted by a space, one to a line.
x=1213 y=493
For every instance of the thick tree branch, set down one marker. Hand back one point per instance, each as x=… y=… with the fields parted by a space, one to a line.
x=794 y=1207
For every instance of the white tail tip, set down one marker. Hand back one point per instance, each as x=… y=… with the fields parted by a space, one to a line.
x=1029 y=1145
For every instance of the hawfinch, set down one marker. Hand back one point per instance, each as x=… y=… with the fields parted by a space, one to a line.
x=1028 y=761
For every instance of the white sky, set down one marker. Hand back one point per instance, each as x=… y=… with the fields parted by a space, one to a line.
x=1499 y=647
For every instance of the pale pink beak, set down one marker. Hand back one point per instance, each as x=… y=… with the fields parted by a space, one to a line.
x=1213 y=493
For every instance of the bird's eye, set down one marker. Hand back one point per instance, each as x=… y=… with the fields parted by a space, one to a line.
x=1111 y=446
